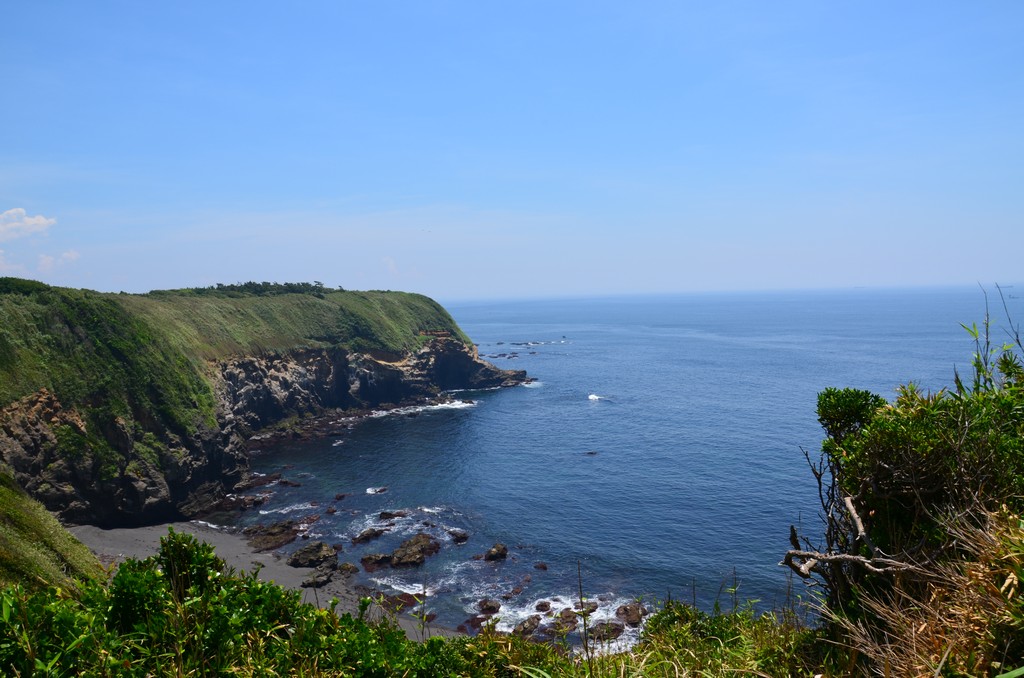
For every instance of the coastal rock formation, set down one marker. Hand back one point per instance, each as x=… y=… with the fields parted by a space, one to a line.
x=115 y=474
x=496 y=552
x=271 y=537
x=631 y=613
x=313 y=555
x=369 y=534
x=606 y=631
x=322 y=575
x=527 y=627
x=375 y=561
x=414 y=551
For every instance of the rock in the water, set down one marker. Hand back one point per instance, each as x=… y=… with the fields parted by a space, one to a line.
x=391 y=515
x=368 y=534
x=488 y=606
x=375 y=561
x=607 y=630
x=540 y=566
x=458 y=536
x=347 y=569
x=565 y=622
x=543 y=606
x=588 y=607
x=527 y=626
x=497 y=552
x=414 y=551
x=631 y=613
x=313 y=554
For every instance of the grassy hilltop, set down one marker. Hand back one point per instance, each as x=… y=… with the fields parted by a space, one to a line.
x=159 y=344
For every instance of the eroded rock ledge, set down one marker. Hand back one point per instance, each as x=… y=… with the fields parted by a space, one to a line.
x=131 y=474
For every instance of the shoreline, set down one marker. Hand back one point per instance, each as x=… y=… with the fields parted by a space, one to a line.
x=113 y=546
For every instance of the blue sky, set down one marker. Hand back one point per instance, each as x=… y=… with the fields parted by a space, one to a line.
x=485 y=150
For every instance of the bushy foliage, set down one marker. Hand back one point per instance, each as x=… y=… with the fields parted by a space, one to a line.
x=251 y=288
x=915 y=496
x=181 y=613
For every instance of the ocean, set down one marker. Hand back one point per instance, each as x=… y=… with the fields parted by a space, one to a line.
x=659 y=453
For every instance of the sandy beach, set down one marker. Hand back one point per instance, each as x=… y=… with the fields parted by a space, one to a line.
x=116 y=545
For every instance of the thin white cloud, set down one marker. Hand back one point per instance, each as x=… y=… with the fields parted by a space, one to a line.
x=15 y=223
x=48 y=263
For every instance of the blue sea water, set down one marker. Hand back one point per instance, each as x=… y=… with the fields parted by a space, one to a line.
x=660 y=448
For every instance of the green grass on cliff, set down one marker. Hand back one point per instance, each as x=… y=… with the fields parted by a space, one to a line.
x=215 y=327
x=73 y=342
x=146 y=356
x=35 y=550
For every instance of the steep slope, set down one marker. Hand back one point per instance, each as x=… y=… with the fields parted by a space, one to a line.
x=35 y=550
x=128 y=409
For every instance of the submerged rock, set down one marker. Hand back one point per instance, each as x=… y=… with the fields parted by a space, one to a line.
x=497 y=552
x=607 y=630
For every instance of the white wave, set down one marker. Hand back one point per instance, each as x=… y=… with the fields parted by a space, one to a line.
x=212 y=526
x=376 y=490
x=417 y=409
x=594 y=396
x=337 y=442
x=288 y=509
x=404 y=526
x=399 y=584
x=532 y=384
x=513 y=612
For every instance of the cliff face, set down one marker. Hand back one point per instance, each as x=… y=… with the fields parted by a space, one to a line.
x=129 y=427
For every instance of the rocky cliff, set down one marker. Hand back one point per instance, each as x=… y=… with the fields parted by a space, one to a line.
x=127 y=414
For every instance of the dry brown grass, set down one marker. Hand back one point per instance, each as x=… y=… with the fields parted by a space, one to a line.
x=965 y=619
